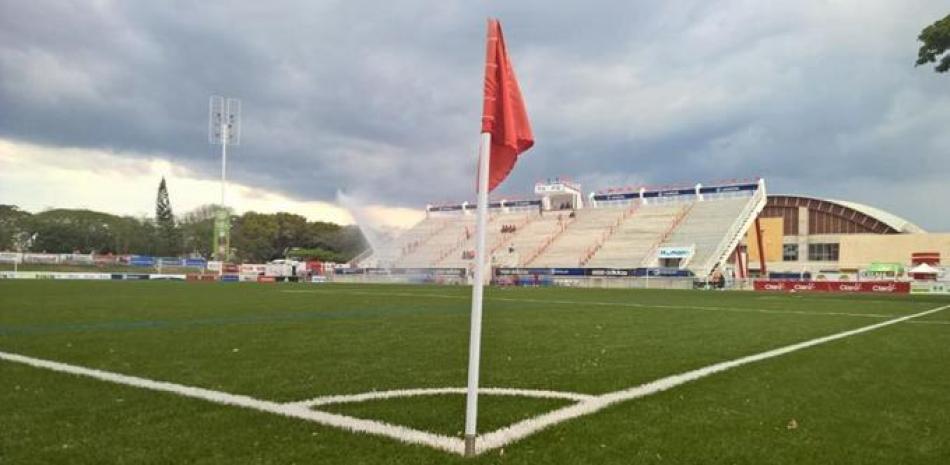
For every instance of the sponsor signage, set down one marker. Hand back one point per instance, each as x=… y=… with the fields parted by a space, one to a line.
x=732 y=188
x=136 y=277
x=675 y=252
x=141 y=260
x=677 y=192
x=930 y=287
x=545 y=188
x=253 y=268
x=595 y=272
x=10 y=257
x=40 y=258
x=522 y=271
x=167 y=277
x=348 y=271
x=446 y=208
x=878 y=287
x=403 y=271
x=523 y=203
x=170 y=261
x=611 y=272
x=567 y=271
x=609 y=197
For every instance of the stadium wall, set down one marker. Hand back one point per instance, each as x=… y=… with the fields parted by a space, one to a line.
x=858 y=250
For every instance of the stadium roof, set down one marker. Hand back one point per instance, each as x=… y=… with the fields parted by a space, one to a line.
x=890 y=219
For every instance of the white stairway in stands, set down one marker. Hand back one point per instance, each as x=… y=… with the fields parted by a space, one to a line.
x=570 y=247
x=637 y=236
x=705 y=227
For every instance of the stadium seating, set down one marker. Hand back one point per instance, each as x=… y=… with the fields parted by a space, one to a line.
x=571 y=246
x=637 y=237
x=451 y=232
x=618 y=235
x=704 y=227
x=496 y=236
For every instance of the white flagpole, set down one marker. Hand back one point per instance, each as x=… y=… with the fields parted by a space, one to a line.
x=475 y=338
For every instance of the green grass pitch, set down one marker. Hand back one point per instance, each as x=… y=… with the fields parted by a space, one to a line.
x=880 y=397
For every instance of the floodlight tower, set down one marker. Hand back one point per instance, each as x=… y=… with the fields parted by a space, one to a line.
x=224 y=129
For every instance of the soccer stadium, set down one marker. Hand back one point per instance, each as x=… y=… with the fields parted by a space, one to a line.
x=666 y=237
x=319 y=311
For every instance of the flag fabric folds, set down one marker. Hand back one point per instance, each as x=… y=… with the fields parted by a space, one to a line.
x=503 y=113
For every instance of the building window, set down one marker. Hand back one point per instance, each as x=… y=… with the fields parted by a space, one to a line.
x=823 y=252
x=789 y=252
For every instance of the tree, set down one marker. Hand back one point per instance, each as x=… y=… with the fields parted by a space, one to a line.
x=85 y=231
x=254 y=236
x=169 y=238
x=197 y=229
x=936 y=39
x=12 y=222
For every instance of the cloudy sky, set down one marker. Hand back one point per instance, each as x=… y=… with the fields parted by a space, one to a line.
x=99 y=99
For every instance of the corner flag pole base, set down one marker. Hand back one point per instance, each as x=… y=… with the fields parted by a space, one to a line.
x=469 y=445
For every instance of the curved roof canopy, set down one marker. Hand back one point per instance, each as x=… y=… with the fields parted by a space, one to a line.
x=864 y=217
x=897 y=223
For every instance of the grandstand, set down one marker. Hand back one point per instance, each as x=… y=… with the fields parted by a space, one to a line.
x=694 y=229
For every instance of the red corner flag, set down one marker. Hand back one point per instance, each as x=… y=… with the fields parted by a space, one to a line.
x=503 y=113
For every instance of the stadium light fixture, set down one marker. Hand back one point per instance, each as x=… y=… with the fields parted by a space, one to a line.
x=224 y=129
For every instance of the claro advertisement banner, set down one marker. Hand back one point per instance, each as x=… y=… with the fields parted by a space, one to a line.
x=872 y=287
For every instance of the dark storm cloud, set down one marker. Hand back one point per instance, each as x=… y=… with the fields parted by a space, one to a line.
x=383 y=97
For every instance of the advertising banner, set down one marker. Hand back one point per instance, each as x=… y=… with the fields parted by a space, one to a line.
x=196 y=262
x=11 y=257
x=40 y=258
x=167 y=277
x=170 y=261
x=253 y=268
x=878 y=287
x=141 y=260
x=77 y=258
x=675 y=252
x=930 y=287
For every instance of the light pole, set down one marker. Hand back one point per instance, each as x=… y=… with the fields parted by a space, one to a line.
x=224 y=128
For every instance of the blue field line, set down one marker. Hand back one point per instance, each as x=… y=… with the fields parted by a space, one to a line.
x=131 y=325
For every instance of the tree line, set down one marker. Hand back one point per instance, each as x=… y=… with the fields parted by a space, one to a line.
x=255 y=237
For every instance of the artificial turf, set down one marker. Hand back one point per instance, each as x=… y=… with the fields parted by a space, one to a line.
x=879 y=397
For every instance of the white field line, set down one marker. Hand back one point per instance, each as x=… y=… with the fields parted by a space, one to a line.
x=376 y=395
x=486 y=442
x=522 y=429
x=606 y=304
x=930 y=322
x=401 y=433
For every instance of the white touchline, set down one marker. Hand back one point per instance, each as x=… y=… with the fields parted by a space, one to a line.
x=605 y=304
x=530 y=426
x=586 y=405
x=401 y=433
x=378 y=395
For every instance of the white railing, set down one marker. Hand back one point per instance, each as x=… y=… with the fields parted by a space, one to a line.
x=732 y=238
